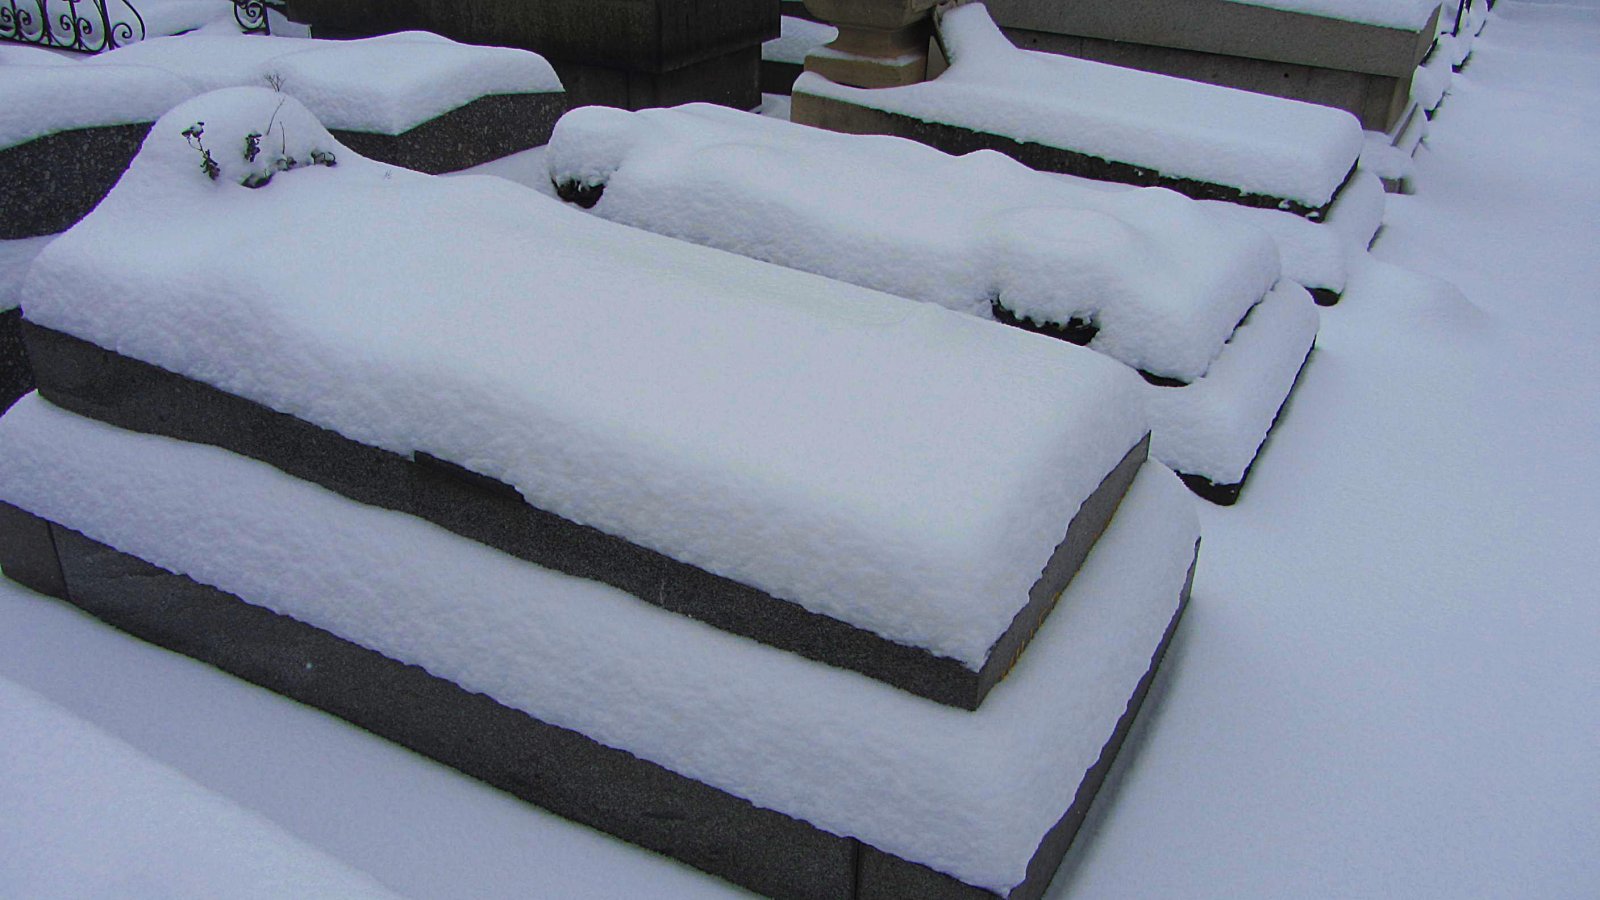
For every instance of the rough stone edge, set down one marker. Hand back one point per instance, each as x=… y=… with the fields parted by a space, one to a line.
x=1228 y=494
x=486 y=129
x=554 y=768
x=16 y=375
x=47 y=184
x=88 y=380
x=852 y=118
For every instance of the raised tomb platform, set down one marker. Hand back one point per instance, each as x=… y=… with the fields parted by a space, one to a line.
x=630 y=53
x=801 y=444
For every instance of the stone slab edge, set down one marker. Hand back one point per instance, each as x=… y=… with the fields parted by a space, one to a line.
x=1228 y=494
x=555 y=768
x=16 y=376
x=49 y=183
x=91 y=381
x=851 y=118
x=1228 y=29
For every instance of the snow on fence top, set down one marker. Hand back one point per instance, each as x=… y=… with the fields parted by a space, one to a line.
x=887 y=463
x=1411 y=15
x=1164 y=280
x=967 y=793
x=387 y=84
x=1184 y=129
x=36 y=100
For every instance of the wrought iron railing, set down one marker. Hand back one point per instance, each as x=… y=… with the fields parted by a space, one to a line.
x=95 y=26
x=86 y=26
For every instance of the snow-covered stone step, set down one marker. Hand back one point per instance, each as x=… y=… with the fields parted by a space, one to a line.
x=881 y=484
x=1145 y=276
x=1085 y=118
x=790 y=777
x=784 y=57
x=412 y=99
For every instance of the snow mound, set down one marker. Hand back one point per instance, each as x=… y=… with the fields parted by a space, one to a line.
x=41 y=99
x=83 y=814
x=1255 y=143
x=968 y=793
x=905 y=469
x=1164 y=280
x=386 y=85
x=1215 y=426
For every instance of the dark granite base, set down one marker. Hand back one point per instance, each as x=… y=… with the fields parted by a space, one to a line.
x=49 y=183
x=16 y=376
x=486 y=129
x=88 y=380
x=837 y=115
x=1228 y=494
x=555 y=768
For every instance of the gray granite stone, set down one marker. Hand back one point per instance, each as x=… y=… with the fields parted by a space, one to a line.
x=28 y=552
x=16 y=376
x=485 y=129
x=49 y=183
x=94 y=382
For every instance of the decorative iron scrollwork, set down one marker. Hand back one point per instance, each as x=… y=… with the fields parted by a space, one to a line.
x=251 y=16
x=84 y=26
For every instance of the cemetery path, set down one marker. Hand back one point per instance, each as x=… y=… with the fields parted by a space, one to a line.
x=1387 y=684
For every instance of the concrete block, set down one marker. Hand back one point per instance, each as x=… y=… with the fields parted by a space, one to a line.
x=94 y=382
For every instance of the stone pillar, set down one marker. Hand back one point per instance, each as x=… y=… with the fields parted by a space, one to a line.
x=881 y=43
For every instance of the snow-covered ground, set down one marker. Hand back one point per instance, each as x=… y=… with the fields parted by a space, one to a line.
x=1387 y=683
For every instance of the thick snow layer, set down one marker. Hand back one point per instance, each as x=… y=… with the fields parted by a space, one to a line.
x=163 y=17
x=968 y=793
x=1258 y=144
x=1382 y=158
x=1214 y=426
x=82 y=814
x=1432 y=79
x=900 y=467
x=26 y=55
x=386 y=84
x=1411 y=15
x=1312 y=254
x=1165 y=281
x=795 y=39
x=1358 y=213
x=36 y=100
x=15 y=257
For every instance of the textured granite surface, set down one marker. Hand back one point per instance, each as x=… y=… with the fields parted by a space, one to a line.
x=49 y=183
x=16 y=376
x=486 y=129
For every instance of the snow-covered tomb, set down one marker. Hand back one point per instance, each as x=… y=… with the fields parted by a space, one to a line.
x=635 y=384
x=1188 y=297
x=1100 y=121
x=412 y=99
x=787 y=776
x=878 y=484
